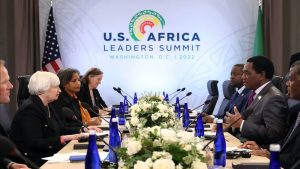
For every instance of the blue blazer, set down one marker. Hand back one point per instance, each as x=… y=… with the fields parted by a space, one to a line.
x=238 y=100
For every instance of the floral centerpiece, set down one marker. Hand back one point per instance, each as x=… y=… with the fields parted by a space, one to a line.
x=156 y=142
x=159 y=148
x=152 y=110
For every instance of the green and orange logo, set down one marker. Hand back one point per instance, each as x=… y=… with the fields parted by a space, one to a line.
x=143 y=19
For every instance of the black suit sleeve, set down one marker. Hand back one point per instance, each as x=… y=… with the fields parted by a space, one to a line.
x=271 y=127
x=4 y=163
x=33 y=130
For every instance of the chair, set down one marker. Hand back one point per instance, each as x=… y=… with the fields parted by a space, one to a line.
x=228 y=91
x=278 y=82
x=23 y=92
x=213 y=95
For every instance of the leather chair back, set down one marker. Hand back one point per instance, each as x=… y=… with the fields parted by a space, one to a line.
x=23 y=92
x=213 y=95
x=228 y=91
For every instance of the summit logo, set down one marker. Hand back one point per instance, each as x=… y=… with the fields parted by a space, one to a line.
x=142 y=19
x=148 y=32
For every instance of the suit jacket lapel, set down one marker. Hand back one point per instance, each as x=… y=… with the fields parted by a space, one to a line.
x=44 y=111
x=261 y=94
x=291 y=135
x=2 y=131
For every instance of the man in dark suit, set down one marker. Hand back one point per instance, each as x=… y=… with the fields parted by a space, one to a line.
x=239 y=97
x=289 y=154
x=5 y=87
x=265 y=119
x=290 y=148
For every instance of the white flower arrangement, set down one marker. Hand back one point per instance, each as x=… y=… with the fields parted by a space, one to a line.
x=156 y=147
x=152 y=111
x=156 y=141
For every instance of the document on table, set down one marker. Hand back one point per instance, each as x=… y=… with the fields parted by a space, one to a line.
x=64 y=158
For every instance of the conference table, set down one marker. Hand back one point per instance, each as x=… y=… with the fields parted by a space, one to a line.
x=231 y=142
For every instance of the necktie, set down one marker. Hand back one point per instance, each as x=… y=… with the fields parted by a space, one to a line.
x=251 y=98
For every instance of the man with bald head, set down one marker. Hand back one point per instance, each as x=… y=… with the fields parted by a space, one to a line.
x=5 y=87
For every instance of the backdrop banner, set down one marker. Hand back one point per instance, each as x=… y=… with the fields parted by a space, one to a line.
x=154 y=46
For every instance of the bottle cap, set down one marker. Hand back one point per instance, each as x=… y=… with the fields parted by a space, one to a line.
x=219 y=121
x=92 y=132
x=275 y=147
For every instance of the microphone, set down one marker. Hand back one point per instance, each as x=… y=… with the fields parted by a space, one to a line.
x=175 y=92
x=199 y=114
x=110 y=147
x=88 y=107
x=188 y=94
x=120 y=92
x=225 y=130
x=97 y=108
x=206 y=102
x=181 y=90
x=8 y=148
x=69 y=114
x=125 y=92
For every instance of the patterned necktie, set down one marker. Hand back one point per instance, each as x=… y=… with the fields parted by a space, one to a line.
x=251 y=98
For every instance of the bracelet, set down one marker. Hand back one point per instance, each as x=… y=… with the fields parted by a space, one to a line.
x=82 y=129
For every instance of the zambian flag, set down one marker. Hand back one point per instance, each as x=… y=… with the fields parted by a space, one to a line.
x=258 y=49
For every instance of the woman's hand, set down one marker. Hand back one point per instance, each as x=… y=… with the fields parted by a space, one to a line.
x=97 y=129
x=66 y=138
x=94 y=121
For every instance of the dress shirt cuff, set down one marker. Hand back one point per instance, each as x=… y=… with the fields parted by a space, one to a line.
x=241 y=125
x=9 y=165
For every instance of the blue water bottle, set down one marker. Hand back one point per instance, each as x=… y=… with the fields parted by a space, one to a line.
x=177 y=108
x=121 y=114
x=135 y=99
x=114 y=138
x=92 y=159
x=166 y=97
x=199 y=128
x=220 y=145
x=125 y=105
x=274 y=158
x=186 y=116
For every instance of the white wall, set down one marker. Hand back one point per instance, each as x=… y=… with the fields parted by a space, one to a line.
x=225 y=28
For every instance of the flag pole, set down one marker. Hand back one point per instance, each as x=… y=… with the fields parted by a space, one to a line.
x=260 y=3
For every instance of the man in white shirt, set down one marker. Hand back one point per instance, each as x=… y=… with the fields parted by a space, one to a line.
x=5 y=87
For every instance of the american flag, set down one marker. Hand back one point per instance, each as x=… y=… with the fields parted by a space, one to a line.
x=51 y=57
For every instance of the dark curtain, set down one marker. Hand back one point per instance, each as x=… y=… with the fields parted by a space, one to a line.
x=19 y=45
x=282 y=35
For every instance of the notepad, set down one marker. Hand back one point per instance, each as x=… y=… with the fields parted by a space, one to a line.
x=76 y=158
x=85 y=146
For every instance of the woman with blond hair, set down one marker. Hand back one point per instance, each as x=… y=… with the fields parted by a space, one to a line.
x=36 y=129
